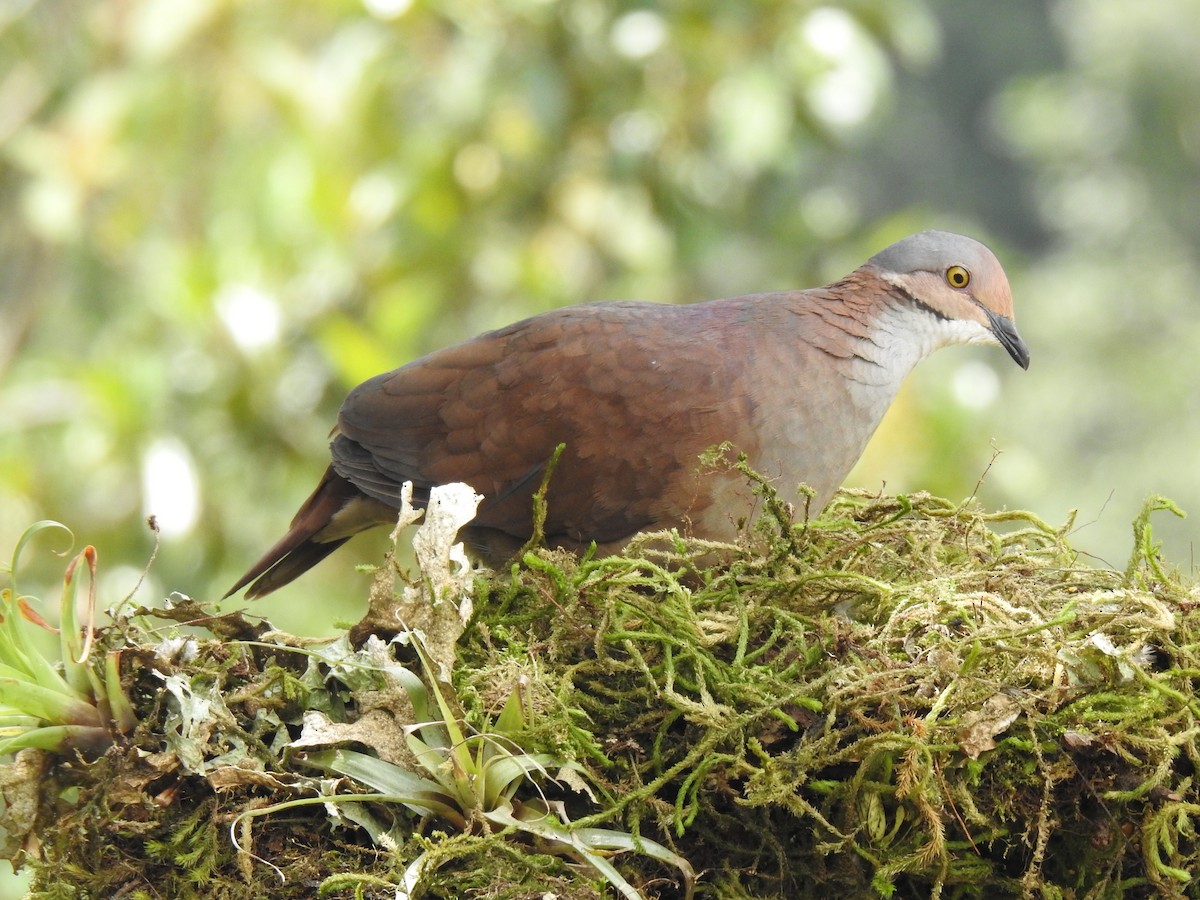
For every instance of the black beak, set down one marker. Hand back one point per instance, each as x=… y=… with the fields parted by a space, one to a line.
x=1006 y=333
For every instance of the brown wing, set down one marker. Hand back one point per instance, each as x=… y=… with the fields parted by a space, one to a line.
x=636 y=392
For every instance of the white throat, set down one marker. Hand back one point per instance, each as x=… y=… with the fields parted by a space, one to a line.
x=902 y=335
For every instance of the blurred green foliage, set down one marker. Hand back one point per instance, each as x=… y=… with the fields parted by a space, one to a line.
x=220 y=216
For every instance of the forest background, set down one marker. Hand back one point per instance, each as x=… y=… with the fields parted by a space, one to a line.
x=216 y=217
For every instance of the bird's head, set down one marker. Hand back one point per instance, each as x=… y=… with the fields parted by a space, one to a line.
x=958 y=279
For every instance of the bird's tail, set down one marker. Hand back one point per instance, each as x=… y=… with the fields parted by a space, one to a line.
x=301 y=549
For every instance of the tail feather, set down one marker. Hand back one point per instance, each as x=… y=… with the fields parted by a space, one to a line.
x=301 y=548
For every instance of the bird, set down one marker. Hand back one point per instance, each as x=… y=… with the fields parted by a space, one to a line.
x=796 y=380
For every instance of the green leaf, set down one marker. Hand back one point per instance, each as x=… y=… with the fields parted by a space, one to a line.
x=543 y=824
x=57 y=738
x=74 y=644
x=54 y=683
x=47 y=704
x=120 y=708
x=14 y=721
x=606 y=839
x=27 y=535
x=504 y=772
x=516 y=713
x=434 y=759
x=418 y=694
x=420 y=794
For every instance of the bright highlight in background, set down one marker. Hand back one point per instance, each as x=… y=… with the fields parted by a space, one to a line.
x=638 y=34
x=251 y=315
x=387 y=9
x=975 y=385
x=846 y=93
x=170 y=487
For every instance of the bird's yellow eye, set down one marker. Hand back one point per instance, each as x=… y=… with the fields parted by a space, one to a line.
x=957 y=277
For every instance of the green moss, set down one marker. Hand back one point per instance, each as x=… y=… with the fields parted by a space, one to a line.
x=904 y=697
x=825 y=704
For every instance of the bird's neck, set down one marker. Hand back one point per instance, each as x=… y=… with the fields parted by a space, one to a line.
x=874 y=334
x=896 y=336
x=849 y=347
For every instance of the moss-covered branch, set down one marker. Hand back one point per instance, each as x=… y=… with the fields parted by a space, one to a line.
x=903 y=696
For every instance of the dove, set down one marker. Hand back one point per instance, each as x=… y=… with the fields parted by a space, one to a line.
x=637 y=392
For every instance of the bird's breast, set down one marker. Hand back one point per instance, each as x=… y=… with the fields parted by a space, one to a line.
x=814 y=422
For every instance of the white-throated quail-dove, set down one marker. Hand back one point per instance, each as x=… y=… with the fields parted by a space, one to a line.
x=797 y=380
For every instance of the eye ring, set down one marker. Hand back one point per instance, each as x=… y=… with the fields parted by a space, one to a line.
x=957 y=277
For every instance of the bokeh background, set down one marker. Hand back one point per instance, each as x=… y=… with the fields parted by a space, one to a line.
x=216 y=217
